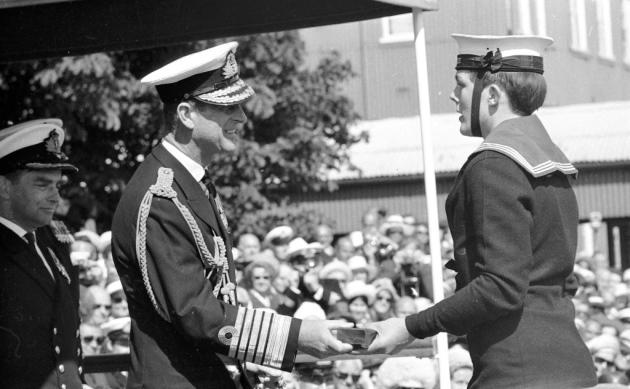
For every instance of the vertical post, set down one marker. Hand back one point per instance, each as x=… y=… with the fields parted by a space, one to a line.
x=430 y=189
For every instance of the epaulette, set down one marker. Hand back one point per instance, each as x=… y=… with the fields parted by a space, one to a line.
x=61 y=232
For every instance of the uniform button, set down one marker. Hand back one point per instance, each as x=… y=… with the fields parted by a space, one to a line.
x=61 y=369
x=54 y=330
x=80 y=369
x=63 y=386
x=77 y=333
x=57 y=350
x=79 y=351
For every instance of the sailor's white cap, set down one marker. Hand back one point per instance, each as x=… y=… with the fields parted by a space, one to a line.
x=210 y=76
x=35 y=145
x=517 y=52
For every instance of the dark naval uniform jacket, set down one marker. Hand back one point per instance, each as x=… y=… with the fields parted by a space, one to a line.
x=513 y=216
x=39 y=316
x=178 y=321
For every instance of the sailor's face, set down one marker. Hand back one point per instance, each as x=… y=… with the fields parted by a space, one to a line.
x=462 y=97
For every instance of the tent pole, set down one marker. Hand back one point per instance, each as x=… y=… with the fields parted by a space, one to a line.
x=441 y=342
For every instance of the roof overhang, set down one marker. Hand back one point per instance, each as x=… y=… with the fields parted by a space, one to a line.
x=31 y=29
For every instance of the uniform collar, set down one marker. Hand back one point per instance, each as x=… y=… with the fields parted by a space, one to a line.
x=195 y=169
x=526 y=142
x=13 y=227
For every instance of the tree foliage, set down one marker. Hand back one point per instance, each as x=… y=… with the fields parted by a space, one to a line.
x=298 y=127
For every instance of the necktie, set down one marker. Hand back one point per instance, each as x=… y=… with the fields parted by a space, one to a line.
x=211 y=193
x=30 y=238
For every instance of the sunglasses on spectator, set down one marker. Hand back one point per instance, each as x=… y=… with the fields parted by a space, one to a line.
x=261 y=277
x=117 y=299
x=89 y=339
x=99 y=306
x=384 y=298
x=344 y=376
x=602 y=360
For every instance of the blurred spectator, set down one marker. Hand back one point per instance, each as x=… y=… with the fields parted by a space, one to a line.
x=405 y=306
x=360 y=298
x=248 y=246
x=360 y=268
x=344 y=249
x=277 y=241
x=316 y=375
x=95 y=305
x=117 y=332
x=460 y=367
x=406 y=372
x=309 y=310
x=386 y=297
x=92 y=338
x=422 y=238
x=324 y=235
x=118 y=298
x=257 y=280
x=349 y=374
x=84 y=255
x=396 y=229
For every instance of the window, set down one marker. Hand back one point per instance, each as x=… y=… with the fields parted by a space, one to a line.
x=604 y=29
x=577 y=10
x=530 y=17
x=397 y=28
x=625 y=10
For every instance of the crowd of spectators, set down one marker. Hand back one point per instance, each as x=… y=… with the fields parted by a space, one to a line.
x=378 y=272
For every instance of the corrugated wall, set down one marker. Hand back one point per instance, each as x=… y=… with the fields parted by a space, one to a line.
x=605 y=190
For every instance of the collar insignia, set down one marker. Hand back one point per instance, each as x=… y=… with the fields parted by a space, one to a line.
x=230 y=68
x=52 y=143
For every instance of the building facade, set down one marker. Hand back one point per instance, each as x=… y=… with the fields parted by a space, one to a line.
x=587 y=109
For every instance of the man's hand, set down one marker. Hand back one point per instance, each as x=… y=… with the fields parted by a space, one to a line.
x=392 y=336
x=317 y=339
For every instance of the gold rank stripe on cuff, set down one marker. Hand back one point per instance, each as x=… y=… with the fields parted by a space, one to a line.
x=261 y=337
x=238 y=324
x=264 y=337
x=280 y=331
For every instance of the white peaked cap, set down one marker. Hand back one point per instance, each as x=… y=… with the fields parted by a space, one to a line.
x=510 y=45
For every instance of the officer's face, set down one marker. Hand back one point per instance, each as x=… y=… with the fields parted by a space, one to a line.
x=462 y=97
x=216 y=127
x=32 y=197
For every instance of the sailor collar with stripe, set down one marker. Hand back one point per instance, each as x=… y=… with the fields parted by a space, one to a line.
x=195 y=169
x=526 y=142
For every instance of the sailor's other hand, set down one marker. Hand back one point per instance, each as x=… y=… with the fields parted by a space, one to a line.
x=317 y=338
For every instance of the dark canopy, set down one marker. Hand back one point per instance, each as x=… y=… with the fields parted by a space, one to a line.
x=32 y=29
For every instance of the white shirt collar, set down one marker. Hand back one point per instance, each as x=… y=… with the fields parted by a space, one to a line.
x=195 y=169
x=13 y=227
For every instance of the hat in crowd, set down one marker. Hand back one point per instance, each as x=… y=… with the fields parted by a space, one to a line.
x=278 y=235
x=491 y=53
x=309 y=310
x=395 y=223
x=458 y=357
x=409 y=372
x=596 y=301
x=359 y=288
x=297 y=246
x=357 y=262
x=385 y=284
x=89 y=236
x=210 y=76
x=105 y=240
x=605 y=345
x=118 y=328
x=113 y=287
x=335 y=266
x=34 y=145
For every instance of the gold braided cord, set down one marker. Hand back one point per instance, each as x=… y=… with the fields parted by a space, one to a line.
x=163 y=188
